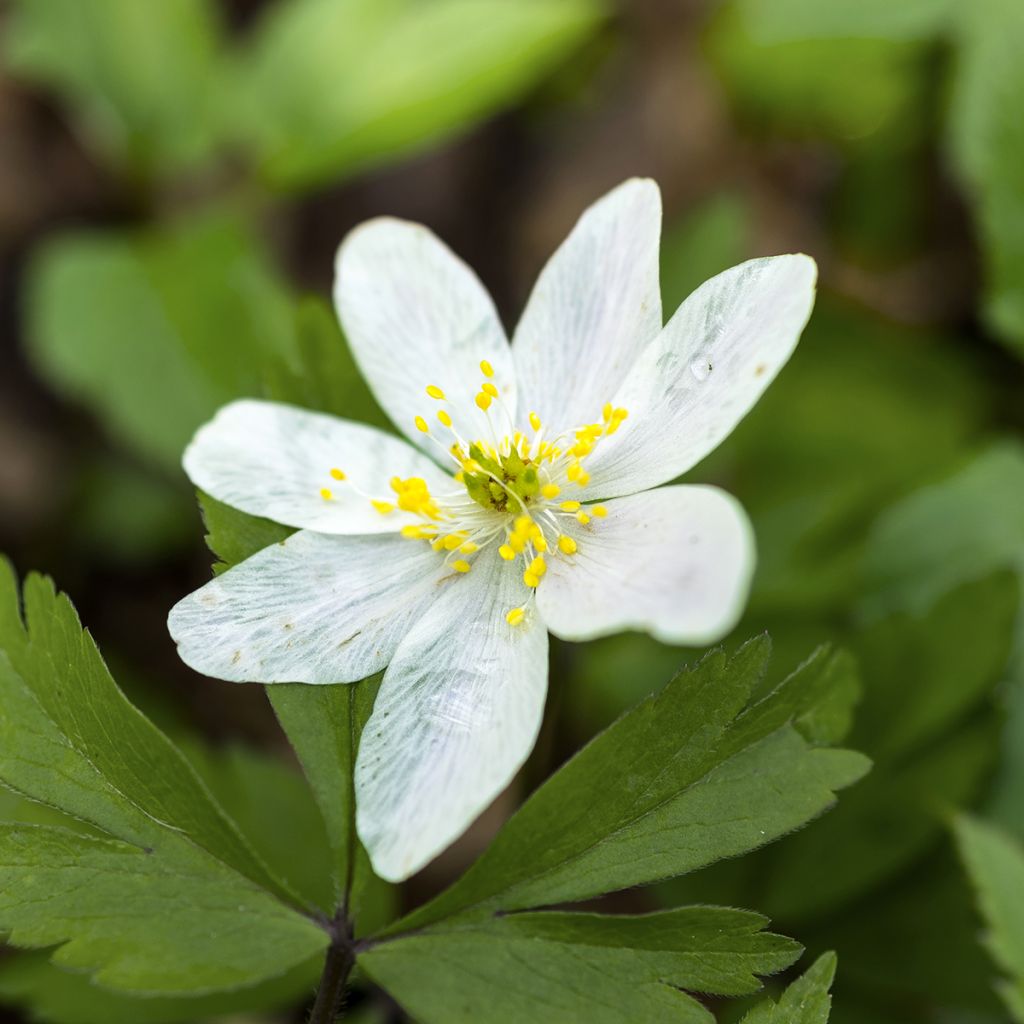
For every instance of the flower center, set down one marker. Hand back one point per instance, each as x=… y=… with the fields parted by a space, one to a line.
x=511 y=491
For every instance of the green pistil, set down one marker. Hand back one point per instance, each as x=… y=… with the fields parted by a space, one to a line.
x=516 y=477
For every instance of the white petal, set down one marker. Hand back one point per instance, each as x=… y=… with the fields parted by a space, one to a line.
x=313 y=609
x=596 y=305
x=456 y=716
x=675 y=562
x=272 y=460
x=415 y=315
x=704 y=372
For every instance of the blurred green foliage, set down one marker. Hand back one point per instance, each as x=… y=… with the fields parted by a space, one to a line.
x=884 y=470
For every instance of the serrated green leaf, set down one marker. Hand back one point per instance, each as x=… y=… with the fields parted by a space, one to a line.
x=806 y=1001
x=233 y=535
x=567 y=967
x=141 y=77
x=154 y=330
x=326 y=88
x=686 y=778
x=50 y=995
x=995 y=863
x=97 y=759
x=145 y=920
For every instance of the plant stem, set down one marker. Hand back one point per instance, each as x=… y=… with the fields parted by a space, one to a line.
x=337 y=966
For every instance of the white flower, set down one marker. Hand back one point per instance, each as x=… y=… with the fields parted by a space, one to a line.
x=447 y=560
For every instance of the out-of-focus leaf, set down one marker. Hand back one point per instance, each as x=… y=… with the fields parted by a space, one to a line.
x=155 y=330
x=710 y=239
x=328 y=87
x=688 y=777
x=779 y=20
x=987 y=142
x=172 y=898
x=806 y=1001
x=995 y=863
x=50 y=995
x=562 y=968
x=142 y=77
x=848 y=89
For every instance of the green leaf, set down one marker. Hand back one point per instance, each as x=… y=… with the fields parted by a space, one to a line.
x=326 y=87
x=145 y=920
x=233 y=535
x=141 y=78
x=154 y=330
x=94 y=757
x=928 y=723
x=690 y=776
x=54 y=996
x=568 y=967
x=995 y=863
x=779 y=20
x=806 y=1001
x=323 y=724
x=986 y=136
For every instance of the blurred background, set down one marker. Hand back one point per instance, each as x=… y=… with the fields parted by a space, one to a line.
x=175 y=176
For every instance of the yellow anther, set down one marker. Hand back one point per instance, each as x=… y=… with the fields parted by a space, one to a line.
x=438 y=544
x=582 y=517
x=396 y=484
x=523 y=525
x=461 y=566
x=566 y=545
x=517 y=542
x=607 y=411
x=325 y=493
x=452 y=541
x=383 y=507
x=599 y=510
x=540 y=542
x=435 y=392
x=444 y=417
x=483 y=401
x=460 y=477
x=620 y=414
x=506 y=552
x=570 y=506
x=468 y=548
x=515 y=616
x=574 y=470
x=530 y=579
x=337 y=474
x=413 y=532
x=421 y=424
x=583 y=479
x=551 y=490
x=582 y=448
x=534 y=421
x=538 y=566
x=489 y=389
x=486 y=369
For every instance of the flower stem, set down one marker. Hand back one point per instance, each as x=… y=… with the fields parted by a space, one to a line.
x=341 y=957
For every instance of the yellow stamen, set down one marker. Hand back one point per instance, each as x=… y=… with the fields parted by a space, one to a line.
x=570 y=506
x=444 y=418
x=551 y=490
x=383 y=507
x=607 y=411
x=337 y=474
x=421 y=424
x=506 y=552
x=325 y=493
x=483 y=401
x=489 y=389
x=583 y=479
x=468 y=548
x=534 y=421
x=538 y=566
x=566 y=545
x=583 y=518
x=530 y=579
x=486 y=369
x=435 y=392
x=461 y=566
x=515 y=616
x=599 y=510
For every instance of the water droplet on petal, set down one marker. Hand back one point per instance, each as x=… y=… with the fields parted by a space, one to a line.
x=701 y=368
